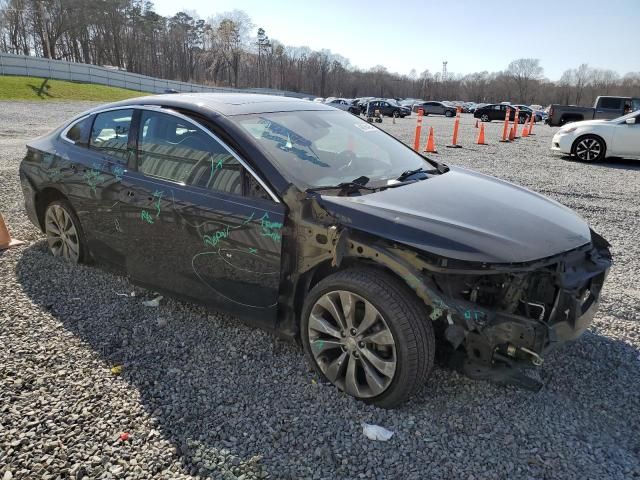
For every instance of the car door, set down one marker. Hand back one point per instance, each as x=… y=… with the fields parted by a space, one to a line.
x=497 y=112
x=439 y=108
x=99 y=170
x=626 y=139
x=192 y=226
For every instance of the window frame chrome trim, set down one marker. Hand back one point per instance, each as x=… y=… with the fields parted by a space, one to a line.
x=169 y=111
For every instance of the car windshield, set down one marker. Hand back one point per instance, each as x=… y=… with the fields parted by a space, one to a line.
x=393 y=102
x=320 y=148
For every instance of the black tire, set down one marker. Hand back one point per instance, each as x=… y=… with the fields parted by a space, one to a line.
x=396 y=114
x=589 y=148
x=485 y=117
x=521 y=119
x=83 y=250
x=404 y=315
x=448 y=113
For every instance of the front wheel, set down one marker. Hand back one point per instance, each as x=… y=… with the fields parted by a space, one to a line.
x=448 y=113
x=589 y=148
x=368 y=335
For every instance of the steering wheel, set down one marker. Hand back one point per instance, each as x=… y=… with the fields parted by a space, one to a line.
x=346 y=158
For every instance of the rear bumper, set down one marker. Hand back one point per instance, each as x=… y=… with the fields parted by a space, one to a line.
x=29 y=193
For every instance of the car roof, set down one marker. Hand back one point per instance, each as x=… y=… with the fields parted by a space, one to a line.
x=227 y=104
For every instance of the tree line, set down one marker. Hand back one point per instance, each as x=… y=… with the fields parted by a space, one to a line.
x=228 y=50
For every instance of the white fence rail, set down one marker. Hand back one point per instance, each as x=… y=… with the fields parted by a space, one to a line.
x=81 y=72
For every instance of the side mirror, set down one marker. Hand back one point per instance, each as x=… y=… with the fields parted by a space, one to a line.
x=630 y=121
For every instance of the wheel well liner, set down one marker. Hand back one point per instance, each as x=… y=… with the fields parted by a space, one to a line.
x=44 y=198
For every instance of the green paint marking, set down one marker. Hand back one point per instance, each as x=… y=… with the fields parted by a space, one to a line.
x=218 y=166
x=158 y=196
x=253 y=250
x=118 y=172
x=319 y=344
x=93 y=177
x=214 y=239
x=270 y=229
x=146 y=216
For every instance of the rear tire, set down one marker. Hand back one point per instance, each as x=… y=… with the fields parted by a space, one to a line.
x=589 y=148
x=378 y=345
x=65 y=236
x=485 y=118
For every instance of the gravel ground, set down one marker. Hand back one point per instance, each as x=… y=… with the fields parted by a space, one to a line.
x=202 y=396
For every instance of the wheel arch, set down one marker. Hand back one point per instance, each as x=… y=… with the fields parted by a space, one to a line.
x=43 y=198
x=372 y=257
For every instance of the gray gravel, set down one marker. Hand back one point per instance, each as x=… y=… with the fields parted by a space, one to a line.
x=202 y=396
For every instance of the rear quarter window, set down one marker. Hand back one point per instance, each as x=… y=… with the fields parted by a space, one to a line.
x=78 y=133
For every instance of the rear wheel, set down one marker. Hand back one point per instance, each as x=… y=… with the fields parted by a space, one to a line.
x=484 y=117
x=396 y=114
x=64 y=233
x=589 y=148
x=368 y=335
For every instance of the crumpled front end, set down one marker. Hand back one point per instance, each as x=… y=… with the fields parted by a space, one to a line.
x=503 y=321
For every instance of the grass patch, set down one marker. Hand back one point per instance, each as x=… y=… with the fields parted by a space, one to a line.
x=32 y=88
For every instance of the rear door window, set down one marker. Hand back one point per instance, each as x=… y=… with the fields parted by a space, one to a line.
x=110 y=133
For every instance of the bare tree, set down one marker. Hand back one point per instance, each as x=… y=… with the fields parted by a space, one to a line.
x=525 y=72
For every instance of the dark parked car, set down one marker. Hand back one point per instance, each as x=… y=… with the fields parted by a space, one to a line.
x=435 y=108
x=497 y=111
x=319 y=226
x=387 y=108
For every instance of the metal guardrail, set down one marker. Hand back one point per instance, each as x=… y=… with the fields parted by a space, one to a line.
x=28 y=66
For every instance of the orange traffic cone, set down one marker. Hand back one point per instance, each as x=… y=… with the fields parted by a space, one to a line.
x=431 y=143
x=512 y=134
x=5 y=238
x=525 y=131
x=476 y=123
x=480 y=140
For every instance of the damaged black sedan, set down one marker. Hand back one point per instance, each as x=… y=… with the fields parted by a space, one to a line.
x=321 y=227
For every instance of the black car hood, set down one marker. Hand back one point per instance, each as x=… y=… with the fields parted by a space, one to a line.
x=465 y=215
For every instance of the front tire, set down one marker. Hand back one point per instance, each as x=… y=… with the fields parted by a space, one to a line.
x=65 y=237
x=589 y=148
x=367 y=334
x=448 y=113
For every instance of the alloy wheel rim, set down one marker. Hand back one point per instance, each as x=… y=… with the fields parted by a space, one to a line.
x=352 y=344
x=484 y=118
x=62 y=235
x=588 y=149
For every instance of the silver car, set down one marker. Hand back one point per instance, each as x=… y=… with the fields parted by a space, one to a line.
x=435 y=108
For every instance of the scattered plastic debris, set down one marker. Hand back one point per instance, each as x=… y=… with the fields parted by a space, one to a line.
x=313 y=381
x=124 y=436
x=132 y=294
x=376 y=432
x=116 y=369
x=153 y=303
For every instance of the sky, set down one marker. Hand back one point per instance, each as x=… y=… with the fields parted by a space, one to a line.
x=471 y=35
